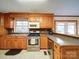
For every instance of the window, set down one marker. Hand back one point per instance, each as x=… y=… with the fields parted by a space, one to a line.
x=21 y=26
x=78 y=27
x=60 y=27
x=71 y=28
x=66 y=27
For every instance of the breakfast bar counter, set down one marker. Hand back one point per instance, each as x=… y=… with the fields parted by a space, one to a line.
x=64 y=40
x=64 y=47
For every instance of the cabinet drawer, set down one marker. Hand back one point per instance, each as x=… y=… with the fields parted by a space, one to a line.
x=56 y=47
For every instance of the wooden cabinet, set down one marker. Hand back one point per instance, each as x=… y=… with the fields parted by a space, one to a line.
x=56 y=47
x=45 y=19
x=47 y=22
x=56 y=55
x=11 y=42
x=9 y=17
x=70 y=52
x=2 y=43
x=57 y=52
x=6 y=21
x=66 y=52
x=43 y=41
x=20 y=43
x=50 y=44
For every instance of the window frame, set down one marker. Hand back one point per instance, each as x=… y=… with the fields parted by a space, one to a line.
x=19 y=19
x=66 y=26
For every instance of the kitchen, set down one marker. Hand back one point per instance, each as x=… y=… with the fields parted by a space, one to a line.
x=43 y=35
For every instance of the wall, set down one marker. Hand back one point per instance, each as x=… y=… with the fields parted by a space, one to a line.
x=66 y=18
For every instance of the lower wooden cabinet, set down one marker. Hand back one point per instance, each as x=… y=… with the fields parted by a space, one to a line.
x=56 y=55
x=43 y=41
x=66 y=52
x=20 y=43
x=71 y=52
x=13 y=43
x=50 y=44
x=2 y=44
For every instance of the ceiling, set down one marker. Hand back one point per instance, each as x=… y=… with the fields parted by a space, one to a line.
x=59 y=7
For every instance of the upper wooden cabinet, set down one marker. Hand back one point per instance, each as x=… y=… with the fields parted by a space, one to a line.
x=7 y=21
x=47 y=22
x=45 y=19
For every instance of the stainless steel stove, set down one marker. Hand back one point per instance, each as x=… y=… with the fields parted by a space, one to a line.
x=33 y=40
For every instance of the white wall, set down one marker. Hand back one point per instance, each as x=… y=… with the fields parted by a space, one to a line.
x=66 y=18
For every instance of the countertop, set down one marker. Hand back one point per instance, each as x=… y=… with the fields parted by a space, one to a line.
x=59 y=39
x=17 y=36
x=64 y=40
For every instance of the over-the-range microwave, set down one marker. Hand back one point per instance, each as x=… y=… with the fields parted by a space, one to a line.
x=34 y=24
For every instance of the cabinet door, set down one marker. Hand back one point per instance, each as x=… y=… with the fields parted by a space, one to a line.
x=44 y=42
x=1 y=44
x=6 y=21
x=70 y=54
x=46 y=20
x=20 y=42
x=50 y=44
x=32 y=18
x=50 y=22
x=56 y=55
x=8 y=43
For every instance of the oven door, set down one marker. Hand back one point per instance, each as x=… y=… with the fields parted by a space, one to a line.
x=33 y=42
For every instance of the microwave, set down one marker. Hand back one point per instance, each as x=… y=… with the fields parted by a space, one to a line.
x=34 y=24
